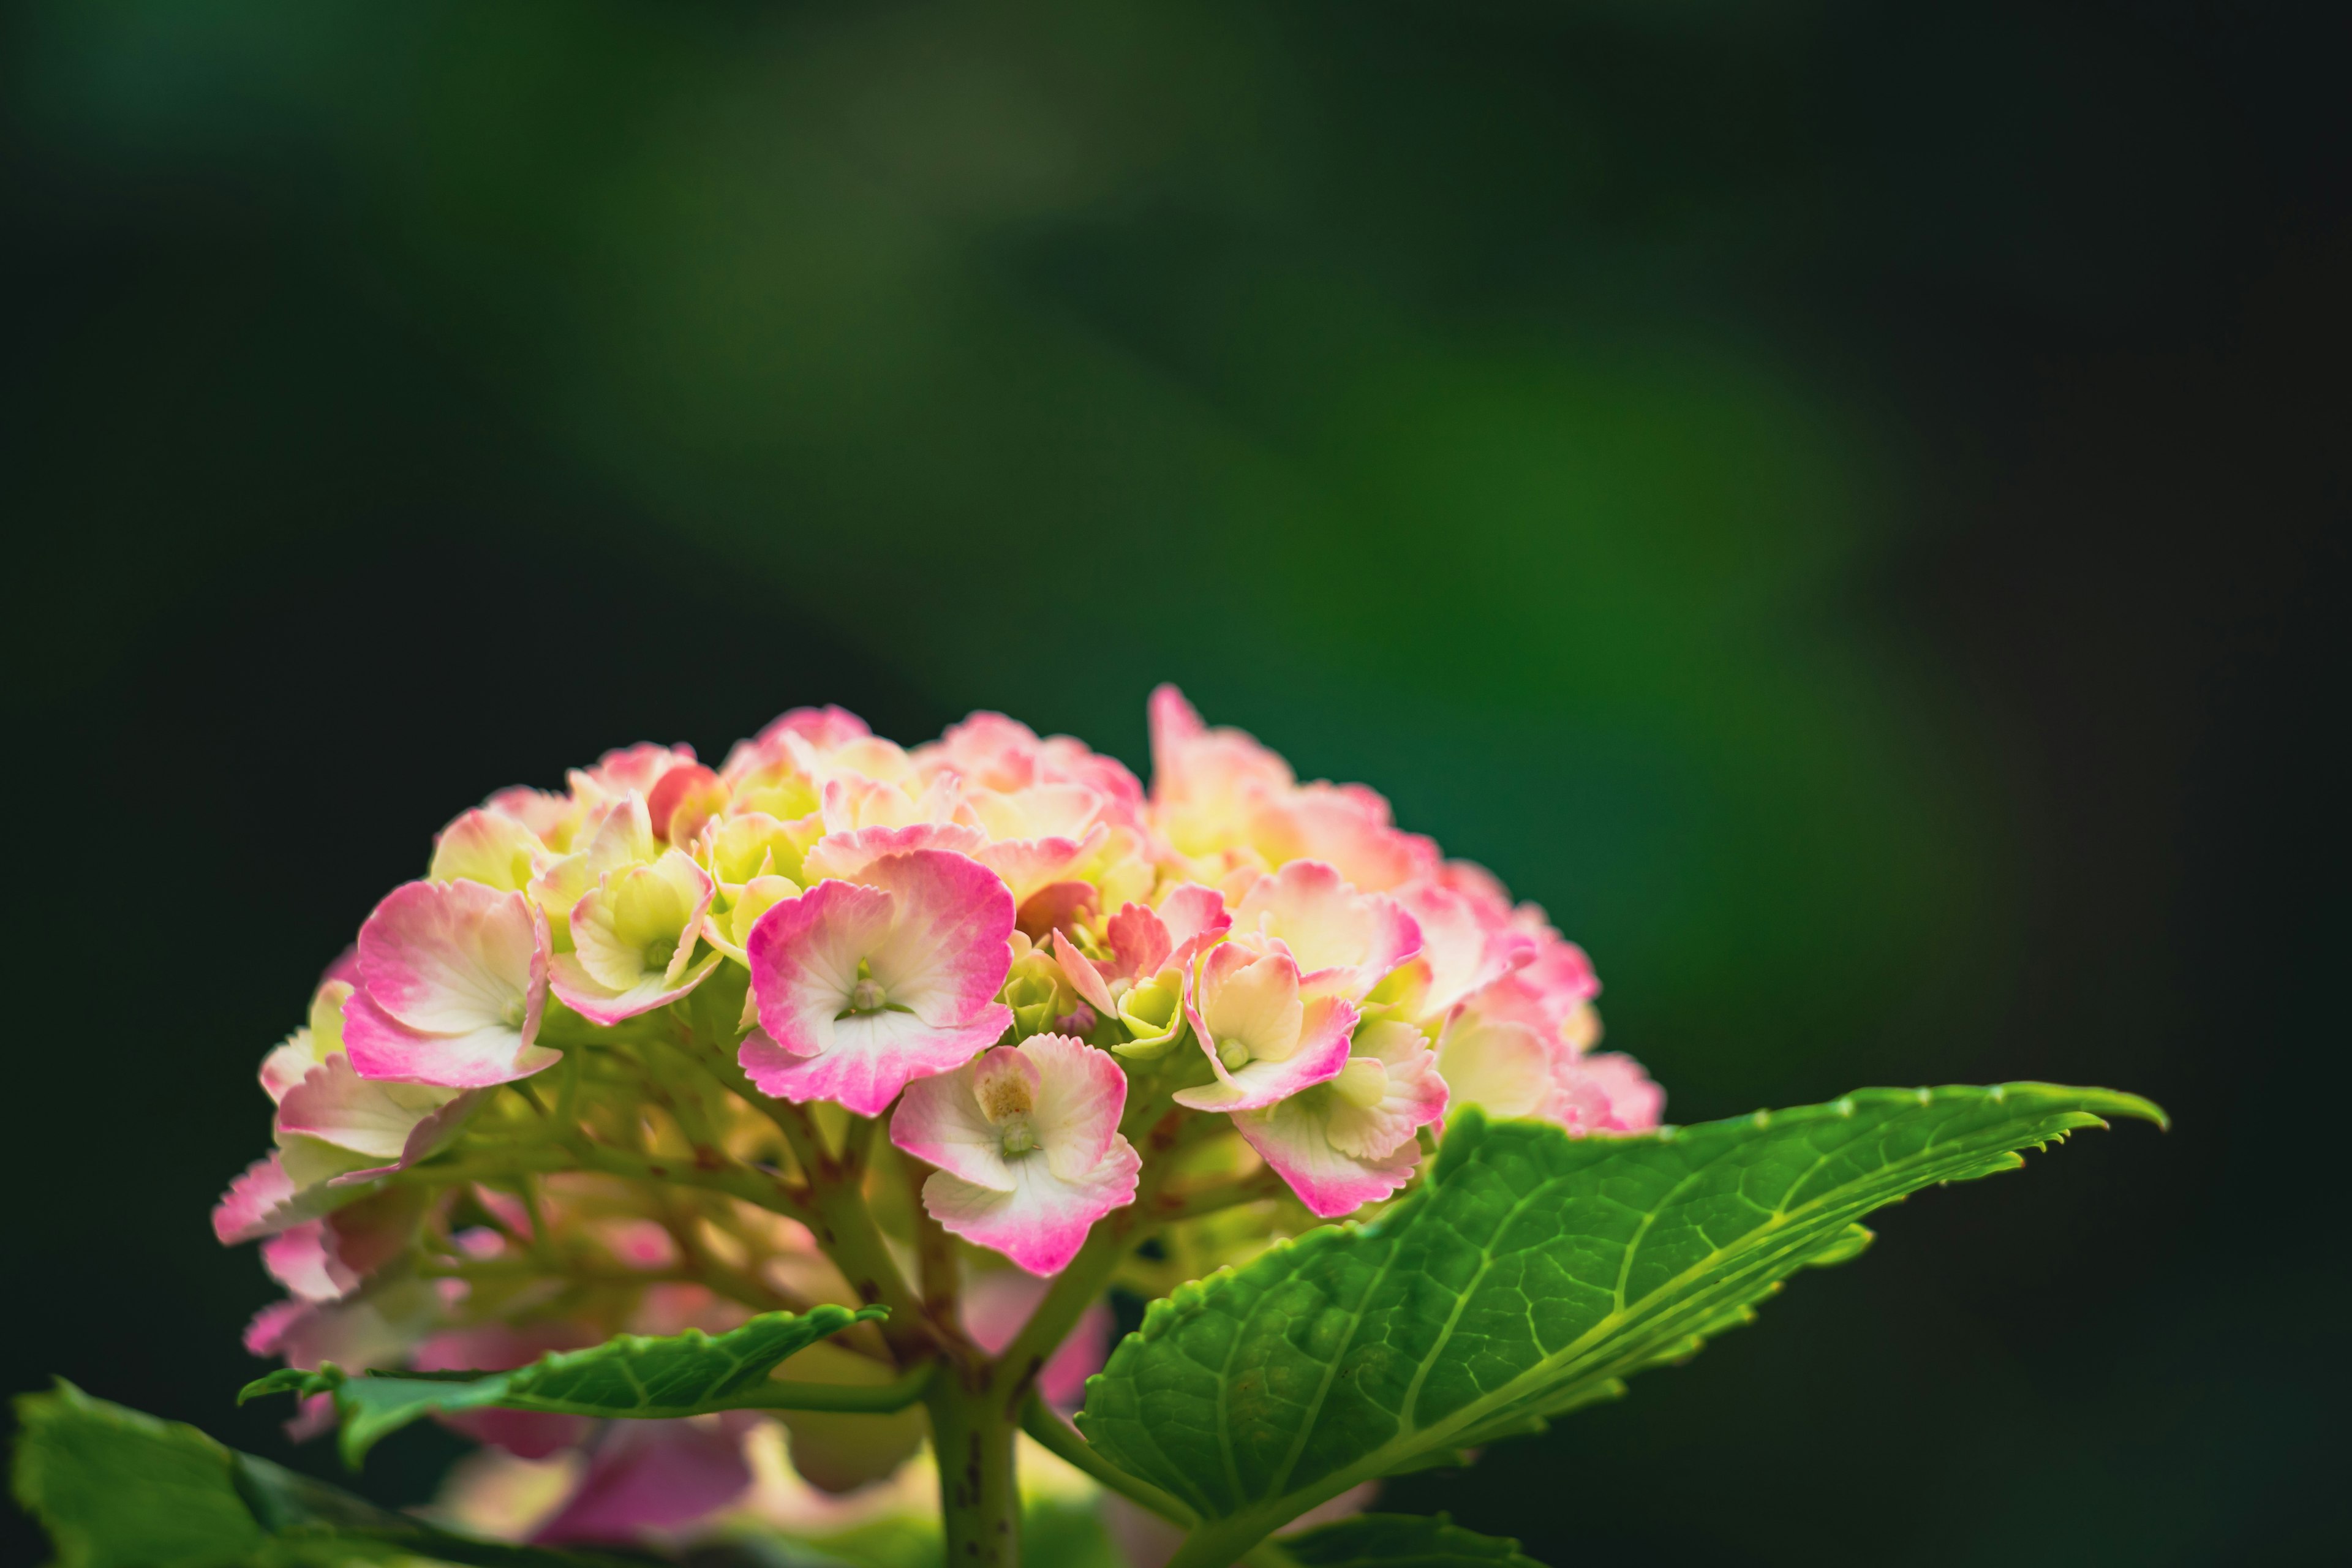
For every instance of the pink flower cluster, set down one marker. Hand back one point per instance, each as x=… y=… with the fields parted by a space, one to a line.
x=1002 y=944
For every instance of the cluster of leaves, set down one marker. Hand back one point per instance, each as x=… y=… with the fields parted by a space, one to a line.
x=1529 y=1275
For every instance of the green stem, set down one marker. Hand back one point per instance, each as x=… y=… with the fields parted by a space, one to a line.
x=1074 y=1289
x=1059 y=1438
x=980 y=1503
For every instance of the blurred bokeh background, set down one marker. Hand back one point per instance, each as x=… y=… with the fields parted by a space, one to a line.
x=1842 y=503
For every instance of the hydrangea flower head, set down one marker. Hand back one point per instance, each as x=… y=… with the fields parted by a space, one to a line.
x=631 y=1053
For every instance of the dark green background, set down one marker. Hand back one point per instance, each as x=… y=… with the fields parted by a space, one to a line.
x=1842 y=503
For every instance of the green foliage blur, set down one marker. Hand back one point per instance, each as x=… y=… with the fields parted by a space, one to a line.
x=1828 y=499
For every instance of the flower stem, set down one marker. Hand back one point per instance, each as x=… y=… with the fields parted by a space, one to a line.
x=980 y=1501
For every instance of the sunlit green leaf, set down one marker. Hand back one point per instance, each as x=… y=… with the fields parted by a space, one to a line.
x=1529 y=1274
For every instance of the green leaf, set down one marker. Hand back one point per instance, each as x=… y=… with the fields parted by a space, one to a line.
x=630 y=1375
x=119 y=1489
x=116 y=1489
x=1529 y=1274
x=1402 y=1541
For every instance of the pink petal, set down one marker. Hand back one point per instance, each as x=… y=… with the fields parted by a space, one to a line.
x=380 y=1047
x=630 y=768
x=268 y=1330
x=1290 y=1138
x=1043 y=1222
x=1084 y=977
x=1057 y=906
x=260 y=1202
x=1609 y=1093
x=1346 y=942
x=826 y=728
x=1027 y=865
x=1139 y=941
x=649 y=1476
x=1322 y=1051
x=426 y=1139
x=489 y=848
x=869 y=1059
x=804 y=953
x=1080 y=1096
x=684 y=797
x=988 y=751
x=845 y=855
x=334 y=1104
x=941 y=1122
x=1194 y=916
x=453 y=981
x=584 y=995
x=1342 y=827
x=299 y=1259
x=1465 y=948
x=1500 y=1064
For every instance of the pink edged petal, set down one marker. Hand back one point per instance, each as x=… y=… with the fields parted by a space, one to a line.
x=652 y=1476
x=580 y=991
x=1345 y=941
x=321 y=1037
x=684 y=797
x=489 y=848
x=1193 y=917
x=1080 y=1096
x=380 y=1048
x=1607 y=1093
x=1174 y=723
x=1084 y=977
x=804 y=953
x=851 y=802
x=1464 y=948
x=1027 y=865
x=1499 y=1065
x=450 y=957
x=870 y=1058
x=301 y=1260
x=1412 y=1094
x=1290 y=1137
x=259 y=1202
x=629 y=768
x=940 y=1121
x=1139 y=941
x=949 y=944
x=268 y=1330
x=1346 y=826
x=1058 y=905
x=1043 y=1222
x=427 y=1138
x=285 y=1066
x=845 y=855
x=335 y=1105
x=825 y=729
x=1323 y=1033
